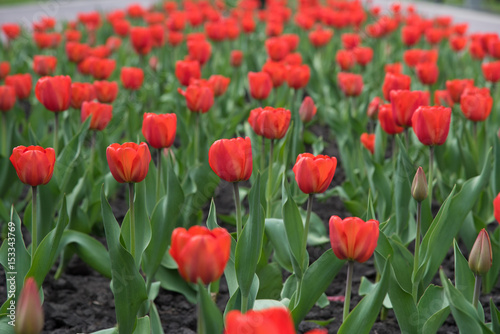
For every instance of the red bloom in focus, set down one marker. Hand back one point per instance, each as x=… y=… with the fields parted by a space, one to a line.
x=101 y=69
x=476 y=103
x=44 y=65
x=314 y=174
x=21 y=84
x=231 y=159
x=219 y=84
x=405 y=102
x=457 y=86
x=100 y=114
x=159 y=129
x=346 y=59
x=298 y=76
x=7 y=98
x=386 y=120
x=34 y=164
x=320 y=37
x=129 y=162
x=199 y=96
x=106 y=91
x=270 y=122
x=11 y=30
x=236 y=58
x=80 y=92
x=491 y=71
x=350 y=41
x=276 y=320
x=496 y=208
x=443 y=98
x=352 y=238
x=431 y=124
x=77 y=52
x=185 y=70
x=307 y=109
x=364 y=55
x=199 y=50
x=351 y=84
x=277 y=71
x=457 y=43
x=132 y=77
x=260 y=85
x=54 y=92
x=368 y=141
x=395 y=82
x=410 y=35
x=200 y=253
x=395 y=68
x=277 y=48
x=427 y=73
x=4 y=69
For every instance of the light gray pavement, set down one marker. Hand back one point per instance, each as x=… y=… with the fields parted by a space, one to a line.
x=68 y=9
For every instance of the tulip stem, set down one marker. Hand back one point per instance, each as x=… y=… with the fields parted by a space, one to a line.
x=33 y=223
x=132 y=218
x=269 y=181
x=417 y=252
x=244 y=303
x=431 y=167
x=197 y=139
x=239 y=224
x=158 y=176
x=56 y=127
x=263 y=154
x=4 y=134
x=348 y=288
x=477 y=290
x=306 y=226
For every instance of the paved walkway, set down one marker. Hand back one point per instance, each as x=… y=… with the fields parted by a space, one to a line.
x=68 y=9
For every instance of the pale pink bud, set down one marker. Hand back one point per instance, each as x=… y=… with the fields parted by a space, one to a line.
x=29 y=313
x=307 y=110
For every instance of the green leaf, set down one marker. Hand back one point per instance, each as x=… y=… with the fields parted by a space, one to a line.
x=212 y=216
x=262 y=304
x=403 y=305
x=362 y=317
x=171 y=280
x=366 y=287
x=491 y=278
x=433 y=309
x=294 y=228
x=271 y=281
x=248 y=247
x=495 y=317
x=155 y=320
x=275 y=229
x=128 y=286
x=380 y=186
x=316 y=280
x=464 y=278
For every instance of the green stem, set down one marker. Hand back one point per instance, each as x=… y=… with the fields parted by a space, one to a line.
x=306 y=226
x=477 y=290
x=197 y=138
x=269 y=181
x=92 y=154
x=56 y=128
x=158 y=176
x=199 y=321
x=34 y=231
x=237 y=203
x=132 y=218
x=431 y=168
x=348 y=288
x=262 y=154
x=4 y=134
x=244 y=304
x=417 y=252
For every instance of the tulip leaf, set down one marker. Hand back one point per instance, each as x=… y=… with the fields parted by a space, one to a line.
x=380 y=186
x=362 y=317
x=403 y=305
x=447 y=223
x=271 y=281
x=316 y=280
x=128 y=286
x=46 y=252
x=143 y=326
x=433 y=309
x=163 y=222
x=464 y=313
x=495 y=317
x=262 y=304
x=491 y=277
x=211 y=318
x=248 y=247
x=212 y=216
x=156 y=326
x=275 y=229
x=294 y=228
x=464 y=278
x=171 y=280
x=5 y=328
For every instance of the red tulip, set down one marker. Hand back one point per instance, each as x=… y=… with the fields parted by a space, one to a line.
x=434 y=35
x=350 y=40
x=443 y=98
x=368 y=141
x=129 y=162
x=199 y=96
x=21 y=84
x=47 y=40
x=159 y=129
x=404 y=103
x=410 y=35
x=44 y=65
x=11 y=30
x=215 y=30
x=395 y=82
x=458 y=43
x=101 y=69
x=7 y=98
x=320 y=37
x=307 y=110
x=4 y=69
x=456 y=87
x=199 y=50
x=34 y=164
x=29 y=309
x=260 y=85
x=276 y=320
x=427 y=73
x=395 y=68
x=200 y=253
x=77 y=52
x=373 y=107
x=270 y=122
x=491 y=71
x=231 y=159
x=219 y=84
x=346 y=59
x=277 y=48
x=135 y=10
x=81 y=92
x=174 y=38
x=176 y=21
x=236 y=58
x=54 y=92
x=248 y=24
x=101 y=51
x=352 y=238
x=185 y=70
x=101 y=114
x=131 y=77
x=277 y=71
x=364 y=55
x=314 y=173
x=298 y=76
x=386 y=120
x=496 y=208
x=106 y=91
x=416 y=56
x=476 y=50
x=351 y=84
x=432 y=124
x=293 y=59
x=157 y=32
x=292 y=40
x=121 y=27
x=476 y=103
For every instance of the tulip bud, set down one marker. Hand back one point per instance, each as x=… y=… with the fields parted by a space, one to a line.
x=419 y=189
x=480 y=256
x=29 y=310
x=307 y=110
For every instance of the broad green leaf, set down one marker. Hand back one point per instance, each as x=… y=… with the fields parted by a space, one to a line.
x=403 y=305
x=491 y=278
x=464 y=278
x=171 y=280
x=113 y=330
x=380 y=186
x=248 y=247
x=433 y=309
x=143 y=326
x=275 y=230
x=156 y=326
x=234 y=302
x=262 y=304
x=128 y=286
x=366 y=287
x=5 y=327
x=495 y=317
x=316 y=280
x=294 y=228
x=271 y=281
x=212 y=216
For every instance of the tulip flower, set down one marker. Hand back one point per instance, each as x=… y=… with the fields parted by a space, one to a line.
x=416 y=56
x=404 y=103
x=201 y=254
x=277 y=71
x=276 y=320
x=320 y=37
x=314 y=173
x=307 y=110
x=80 y=92
x=458 y=43
x=141 y=40
x=364 y=55
x=351 y=84
x=132 y=77
x=101 y=69
x=4 y=69
x=44 y=65
x=443 y=98
x=496 y=208
x=410 y=35
x=386 y=120
x=373 y=108
x=47 y=40
x=355 y=240
x=368 y=141
x=77 y=52
x=395 y=68
x=54 y=92
x=395 y=82
x=457 y=86
x=476 y=103
x=269 y=122
x=419 y=188
x=185 y=70
x=277 y=48
x=236 y=58
x=298 y=76
x=21 y=84
x=293 y=59
x=350 y=40
x=7 y=98
x=260 y=85
x=491 y=71
x=101 y=114
x=106 y=91
x=476 y=50
x=480 y=261
x=292 y=40
x=346 y=59
x=11 y=30
x=427 y=73
x=29 y=311
x=199 y=96
x=129 y=162
x=219 y=84
x=199 y=50
x=431 y=124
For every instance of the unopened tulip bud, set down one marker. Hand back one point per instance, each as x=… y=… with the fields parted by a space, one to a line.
x=419 y=189
x=29 y=309
x=480 y=256
x=307 y=110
